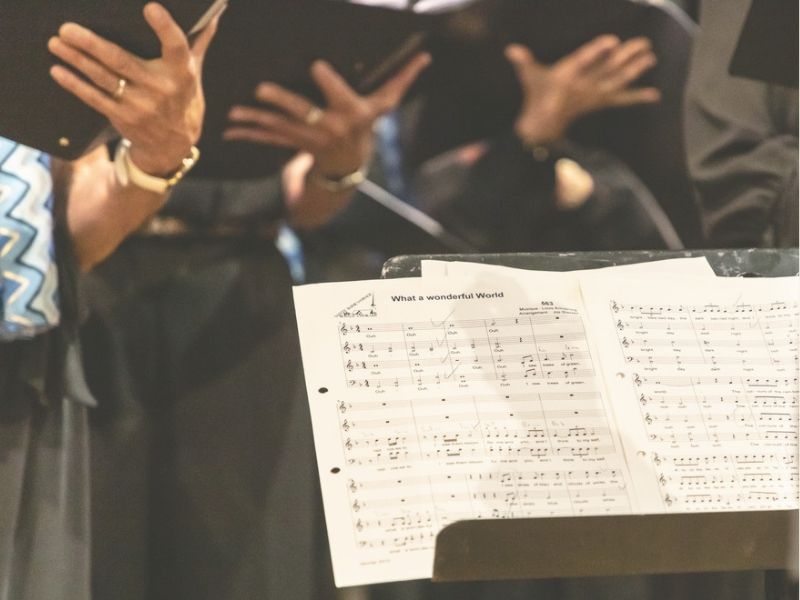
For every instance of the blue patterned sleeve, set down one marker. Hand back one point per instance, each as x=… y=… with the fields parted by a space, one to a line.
x=28 y=273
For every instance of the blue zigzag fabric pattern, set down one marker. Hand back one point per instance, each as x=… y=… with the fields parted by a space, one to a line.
x=28 y=272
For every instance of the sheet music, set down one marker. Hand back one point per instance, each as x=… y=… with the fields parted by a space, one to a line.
x=480 y=395
x=704 y=383
x=440 y=400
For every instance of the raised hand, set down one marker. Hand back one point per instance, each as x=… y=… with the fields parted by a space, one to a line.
x=339 y=136
x=597 y=75
x=157 y=104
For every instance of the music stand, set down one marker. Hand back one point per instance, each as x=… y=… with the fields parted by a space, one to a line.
x=564 y=547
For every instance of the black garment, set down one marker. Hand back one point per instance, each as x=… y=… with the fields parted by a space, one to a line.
x=44 y=492
x=44 y=478
x=204 y=481
x=505 y=202
x=742 y=138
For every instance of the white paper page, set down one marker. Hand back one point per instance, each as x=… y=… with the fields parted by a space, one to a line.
x=679 y=266
x=432 y=404
x=704 y=385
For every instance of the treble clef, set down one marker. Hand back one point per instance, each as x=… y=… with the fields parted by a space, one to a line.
x=352 y=485
x=662 y=480
x=668 y=500
x=648 y=419
x=620 y=324
x=342 y=407
x=349 y=365
x=626 y=342
x=615 y=306
x=346 y=425
x=656 y=459
x=343 y=329
x=636 y=379
x=643 y=400
x=346 y=347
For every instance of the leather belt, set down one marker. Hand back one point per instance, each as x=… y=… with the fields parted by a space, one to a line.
x=161 y=226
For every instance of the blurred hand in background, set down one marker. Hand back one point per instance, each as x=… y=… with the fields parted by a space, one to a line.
x=597 y=75
x=339 y=135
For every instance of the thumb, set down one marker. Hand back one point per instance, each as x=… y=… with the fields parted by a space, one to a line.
x=522 y=59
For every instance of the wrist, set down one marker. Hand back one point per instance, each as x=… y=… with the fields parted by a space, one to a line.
x=338 y=164
x=155 y=165
x=129 y=172
x=539 y=133
x=543 y=126
x=336 y=183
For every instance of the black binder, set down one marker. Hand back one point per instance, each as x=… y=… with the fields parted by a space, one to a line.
x=34 y=110
x=277 y=41
x=470 y=89
x=767 y=48
x=473 y=92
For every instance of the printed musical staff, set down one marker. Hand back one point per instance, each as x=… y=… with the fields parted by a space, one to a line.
x=746 y=336
x=725 y=481
x=549 y=345
x=385 y=509
x=520 y=428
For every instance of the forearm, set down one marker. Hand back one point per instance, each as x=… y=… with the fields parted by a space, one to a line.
x=101 y=212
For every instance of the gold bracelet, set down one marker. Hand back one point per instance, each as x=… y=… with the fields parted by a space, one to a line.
x=128 y=173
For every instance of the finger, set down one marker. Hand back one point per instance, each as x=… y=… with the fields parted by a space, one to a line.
x=174 y=45
x=636 y=96
x=520 y=55
x=389 y=95
x=94 y=71
x=87 y=93
x=336 y=90
x=522 y=59
x=295 y=106
x=257 y=135
x=203 y=41
x=305 y=136
x=292 y=104
x=104 y=52
x=630 y=72
x=625 y=53
x=589 y=55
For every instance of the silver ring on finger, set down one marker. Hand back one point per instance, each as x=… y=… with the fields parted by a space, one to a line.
x=122 y=85
x=313 y=116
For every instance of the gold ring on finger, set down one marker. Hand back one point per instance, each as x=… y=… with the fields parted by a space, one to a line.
x=313 y=116
x=120 y=91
